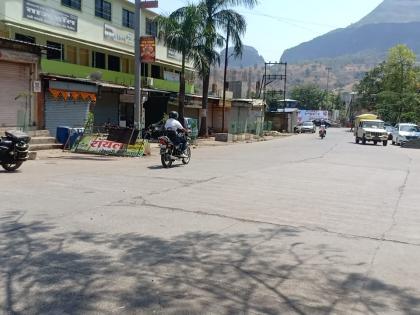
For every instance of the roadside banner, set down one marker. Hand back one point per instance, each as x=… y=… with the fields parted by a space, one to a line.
x=310 y=115
x=148 y=49
x=98 y=144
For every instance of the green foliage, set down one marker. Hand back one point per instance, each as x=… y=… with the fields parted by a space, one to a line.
x=391 y=88
x=312 y=97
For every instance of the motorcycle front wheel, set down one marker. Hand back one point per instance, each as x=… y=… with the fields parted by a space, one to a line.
x=166 y=160
x=187 y=160
x=11 y=167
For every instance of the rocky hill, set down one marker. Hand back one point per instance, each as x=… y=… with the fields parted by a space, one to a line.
x=250 y=57
x=392 y=22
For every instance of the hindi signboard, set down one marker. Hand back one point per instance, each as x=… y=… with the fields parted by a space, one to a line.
x=98 y=144
x=148 y=49
x=50 y=16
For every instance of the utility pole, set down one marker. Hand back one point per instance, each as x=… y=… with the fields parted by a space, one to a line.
x=138 y=102
x=224 y=75
x=328 y=85
x=138 y=113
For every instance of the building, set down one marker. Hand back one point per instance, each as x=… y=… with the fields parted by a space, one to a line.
x=91 y=41
x=19 y=80
x=239 y=89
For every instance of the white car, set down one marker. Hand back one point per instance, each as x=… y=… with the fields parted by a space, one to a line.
x=405 y=132
x=307 y=126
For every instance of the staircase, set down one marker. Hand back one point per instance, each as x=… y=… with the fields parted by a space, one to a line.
x=42 y=140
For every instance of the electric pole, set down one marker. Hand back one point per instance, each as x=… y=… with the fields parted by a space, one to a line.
x=224 y=75
x=138 y=113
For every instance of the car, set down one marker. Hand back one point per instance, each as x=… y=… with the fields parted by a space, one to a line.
x=405 y=132
x=319 y=122
x=307 y=126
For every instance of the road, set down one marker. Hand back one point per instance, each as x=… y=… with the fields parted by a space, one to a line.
x=291 y=226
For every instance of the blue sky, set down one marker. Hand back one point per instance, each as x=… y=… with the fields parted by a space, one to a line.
x=275 y=25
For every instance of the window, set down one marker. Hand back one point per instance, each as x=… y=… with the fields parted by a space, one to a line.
x=25 y=38
x=151 y=27
x=144 y=70
x=71 y=54
x=103 y=9
x=113 y=63
x=55 y=51
x=155 y=72
x=84 y=57
x=125 y=65
x=128 y=18
x=98 y=60
x=74 y=4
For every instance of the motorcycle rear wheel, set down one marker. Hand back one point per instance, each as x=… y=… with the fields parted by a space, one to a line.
x=166 y=160
x=11 y=167
x=187 y=160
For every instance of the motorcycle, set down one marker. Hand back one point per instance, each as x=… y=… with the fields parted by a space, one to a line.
x=322 y=133
x=169 y=152
x=14 y=150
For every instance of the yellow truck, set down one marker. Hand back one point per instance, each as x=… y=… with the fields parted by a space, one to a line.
x=368 y=128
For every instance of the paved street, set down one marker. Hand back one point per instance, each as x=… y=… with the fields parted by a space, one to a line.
x=290 y=226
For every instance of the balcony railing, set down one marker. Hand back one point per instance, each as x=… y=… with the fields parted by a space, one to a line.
x=78 y=71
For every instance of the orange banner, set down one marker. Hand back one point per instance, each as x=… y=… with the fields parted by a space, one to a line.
x=148 y=49
x=74 y=95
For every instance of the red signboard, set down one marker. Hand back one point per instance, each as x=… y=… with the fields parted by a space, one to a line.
x=149 y=4
x=148 y=49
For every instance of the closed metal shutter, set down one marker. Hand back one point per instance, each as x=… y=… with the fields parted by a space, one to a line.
x=14 y=81
x=106 y=109
x=70 y=113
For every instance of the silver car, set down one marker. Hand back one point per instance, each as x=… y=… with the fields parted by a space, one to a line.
x=405 y=132
x=307 y=126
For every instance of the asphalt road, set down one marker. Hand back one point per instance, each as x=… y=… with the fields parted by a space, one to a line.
x=291 y=226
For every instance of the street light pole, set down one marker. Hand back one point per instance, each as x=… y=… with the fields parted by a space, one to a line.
x=224 y=76
x=138 y=113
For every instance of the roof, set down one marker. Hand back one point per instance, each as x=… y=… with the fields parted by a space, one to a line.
x=374 y=120
x=27 y=47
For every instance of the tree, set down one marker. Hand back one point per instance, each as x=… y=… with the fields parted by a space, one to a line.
x=399 y=99
x=369 y=88
x=182 y=31
x=310 y=96
x=218 y=17
x=391 y=88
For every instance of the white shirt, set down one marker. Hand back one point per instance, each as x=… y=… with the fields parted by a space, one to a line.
x=173 y=124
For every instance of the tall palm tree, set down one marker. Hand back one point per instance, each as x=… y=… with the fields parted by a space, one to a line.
x=218 y=16
x=182 y=31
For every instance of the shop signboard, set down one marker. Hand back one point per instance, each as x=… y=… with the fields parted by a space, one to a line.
x=50 y=16
x=119 y=36
x=98 y=144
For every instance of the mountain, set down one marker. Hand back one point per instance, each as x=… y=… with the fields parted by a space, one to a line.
x=250 y=57
x=392 y=22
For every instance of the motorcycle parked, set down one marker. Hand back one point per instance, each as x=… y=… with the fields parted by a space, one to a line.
x=169 y=152
x=14 y=150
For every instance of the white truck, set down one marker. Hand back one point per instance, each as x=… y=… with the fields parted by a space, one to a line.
x=368 y=128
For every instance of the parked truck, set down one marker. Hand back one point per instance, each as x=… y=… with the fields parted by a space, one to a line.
x=368 y=128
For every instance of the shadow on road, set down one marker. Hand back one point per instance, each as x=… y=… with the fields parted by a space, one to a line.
x=196 y=272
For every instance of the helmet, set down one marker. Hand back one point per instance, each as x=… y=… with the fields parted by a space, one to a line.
x=173 y=115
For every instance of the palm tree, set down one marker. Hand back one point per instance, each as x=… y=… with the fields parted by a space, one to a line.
x=218 y=16
x=182 y=31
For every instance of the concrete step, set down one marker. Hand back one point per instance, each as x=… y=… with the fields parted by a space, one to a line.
x=45 y=146
x=39 y=133
x=42 y=140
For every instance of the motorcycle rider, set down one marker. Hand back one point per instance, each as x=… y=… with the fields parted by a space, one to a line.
x=323 y=130
x=174 y=127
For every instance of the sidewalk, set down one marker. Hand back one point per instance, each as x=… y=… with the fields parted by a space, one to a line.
x=154 y=148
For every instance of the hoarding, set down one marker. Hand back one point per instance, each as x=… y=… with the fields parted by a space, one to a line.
x=148 y=49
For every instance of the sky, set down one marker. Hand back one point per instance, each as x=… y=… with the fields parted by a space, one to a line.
x=275 y=25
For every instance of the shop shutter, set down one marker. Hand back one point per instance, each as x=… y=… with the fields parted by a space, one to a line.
x=70 y=113
x=14 y=80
